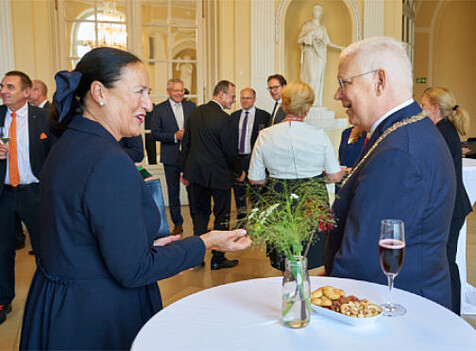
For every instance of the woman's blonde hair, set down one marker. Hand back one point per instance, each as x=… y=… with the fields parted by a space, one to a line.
x=448 y=108
x=297 y=98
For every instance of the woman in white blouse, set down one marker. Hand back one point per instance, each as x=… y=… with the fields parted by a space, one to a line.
x=291 y=151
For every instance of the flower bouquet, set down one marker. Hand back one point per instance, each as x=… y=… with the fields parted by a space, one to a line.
x=286 y=217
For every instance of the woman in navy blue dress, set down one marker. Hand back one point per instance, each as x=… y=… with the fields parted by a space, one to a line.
x=450 y=119
x=96 y=282
x=351 y=144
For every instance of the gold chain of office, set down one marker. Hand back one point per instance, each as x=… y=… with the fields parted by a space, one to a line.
x=393 y=128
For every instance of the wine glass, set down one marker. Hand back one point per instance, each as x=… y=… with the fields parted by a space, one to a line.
x=3 y=137
x=391 y=254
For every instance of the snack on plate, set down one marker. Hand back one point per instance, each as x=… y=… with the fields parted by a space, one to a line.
x=335 y=300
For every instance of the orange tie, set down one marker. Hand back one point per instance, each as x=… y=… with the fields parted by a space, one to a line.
x=12 y=153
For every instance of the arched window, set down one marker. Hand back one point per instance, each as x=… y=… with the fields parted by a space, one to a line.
x=92 y=29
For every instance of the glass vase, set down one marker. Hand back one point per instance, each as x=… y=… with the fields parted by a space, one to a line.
x=296 y=311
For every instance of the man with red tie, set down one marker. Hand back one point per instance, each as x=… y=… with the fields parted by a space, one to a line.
x=26 y=141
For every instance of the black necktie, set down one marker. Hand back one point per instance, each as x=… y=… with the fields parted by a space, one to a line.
x=274 y=111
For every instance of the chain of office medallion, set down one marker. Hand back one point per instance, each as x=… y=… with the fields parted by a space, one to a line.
x=393 y=128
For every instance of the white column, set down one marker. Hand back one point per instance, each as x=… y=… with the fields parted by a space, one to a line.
x=263 y=50
x=7 y=62
x=373 y=18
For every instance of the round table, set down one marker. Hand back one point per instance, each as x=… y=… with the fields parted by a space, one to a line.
x=246 y=316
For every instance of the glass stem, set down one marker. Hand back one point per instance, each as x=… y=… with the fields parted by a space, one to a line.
x=390 y=289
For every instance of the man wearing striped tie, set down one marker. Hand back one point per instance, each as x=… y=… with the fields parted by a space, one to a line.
x=26 y=141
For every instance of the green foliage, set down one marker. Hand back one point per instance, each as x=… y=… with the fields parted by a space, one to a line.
x=287 y=214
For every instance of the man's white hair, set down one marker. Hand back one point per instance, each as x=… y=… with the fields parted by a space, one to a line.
x=383 y=53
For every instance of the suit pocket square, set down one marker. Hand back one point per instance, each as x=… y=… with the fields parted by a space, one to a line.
x=43 y=136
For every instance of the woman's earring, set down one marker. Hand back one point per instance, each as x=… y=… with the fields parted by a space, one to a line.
x=101 y=103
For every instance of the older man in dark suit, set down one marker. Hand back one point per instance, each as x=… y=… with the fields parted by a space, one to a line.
x=212 y=164
x=404 y=172
x=247 y=123
x=21 y=159
x=168 y=125
x=39 y=95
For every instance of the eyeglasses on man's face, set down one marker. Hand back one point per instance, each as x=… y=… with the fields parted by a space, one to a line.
x=275 y=87
x=343 y=82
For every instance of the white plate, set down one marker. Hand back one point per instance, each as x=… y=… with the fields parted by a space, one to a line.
x=354 y=321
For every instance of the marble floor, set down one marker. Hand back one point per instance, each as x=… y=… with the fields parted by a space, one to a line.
x=253 y=264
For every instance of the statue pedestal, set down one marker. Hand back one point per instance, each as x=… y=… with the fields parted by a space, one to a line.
x=324 y=118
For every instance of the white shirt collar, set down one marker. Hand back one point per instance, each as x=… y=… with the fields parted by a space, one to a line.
x=218 y=104
x=173 y=103
x=42 y=105
x=251 y=110
x=381 y=119
x=22 y=111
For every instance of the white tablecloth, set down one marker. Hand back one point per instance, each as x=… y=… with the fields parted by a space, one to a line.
x=468 y=292
x=246 y=316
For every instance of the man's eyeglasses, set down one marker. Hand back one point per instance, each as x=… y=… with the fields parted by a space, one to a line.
x=276 y=87
x=344 y=81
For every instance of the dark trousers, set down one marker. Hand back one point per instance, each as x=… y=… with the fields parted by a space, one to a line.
x=239 y=189
x=150 y=149
x=202 y=199
x=22 y=203
x=451 y=248
x=20 y=236
x=172 y=178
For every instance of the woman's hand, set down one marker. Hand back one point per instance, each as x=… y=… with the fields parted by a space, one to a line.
x=234 y=240
x=257 y=182
x=166 y=240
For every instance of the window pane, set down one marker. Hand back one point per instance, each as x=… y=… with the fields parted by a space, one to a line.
x=154 y=11
x=184 y=12
x=158 y=77
x=75 y=9
x=155 y=43
x=187 y=72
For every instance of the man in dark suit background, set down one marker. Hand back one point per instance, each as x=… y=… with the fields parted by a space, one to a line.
x=168 y=126
x=404 y=172
x=39 y=95
x=247 y=123
x=276 y=84
x=149 y=143
x=212 y=164
x=21 y=160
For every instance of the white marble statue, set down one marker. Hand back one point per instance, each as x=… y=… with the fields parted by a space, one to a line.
x=186 y=70
x=314 y=40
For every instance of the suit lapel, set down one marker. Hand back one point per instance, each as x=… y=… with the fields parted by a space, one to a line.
x=254 y=132
x=32 y=133
x=410 y=110
x=3 y=113
x=171 y=113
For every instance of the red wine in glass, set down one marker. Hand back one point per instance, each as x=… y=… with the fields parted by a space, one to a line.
x=391 y=253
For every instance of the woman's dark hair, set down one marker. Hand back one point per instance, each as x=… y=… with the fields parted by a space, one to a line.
x=103 y=64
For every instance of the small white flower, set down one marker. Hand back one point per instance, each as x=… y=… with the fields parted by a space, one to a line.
x=264 y=215
x=253 y=212
x=294 y=196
